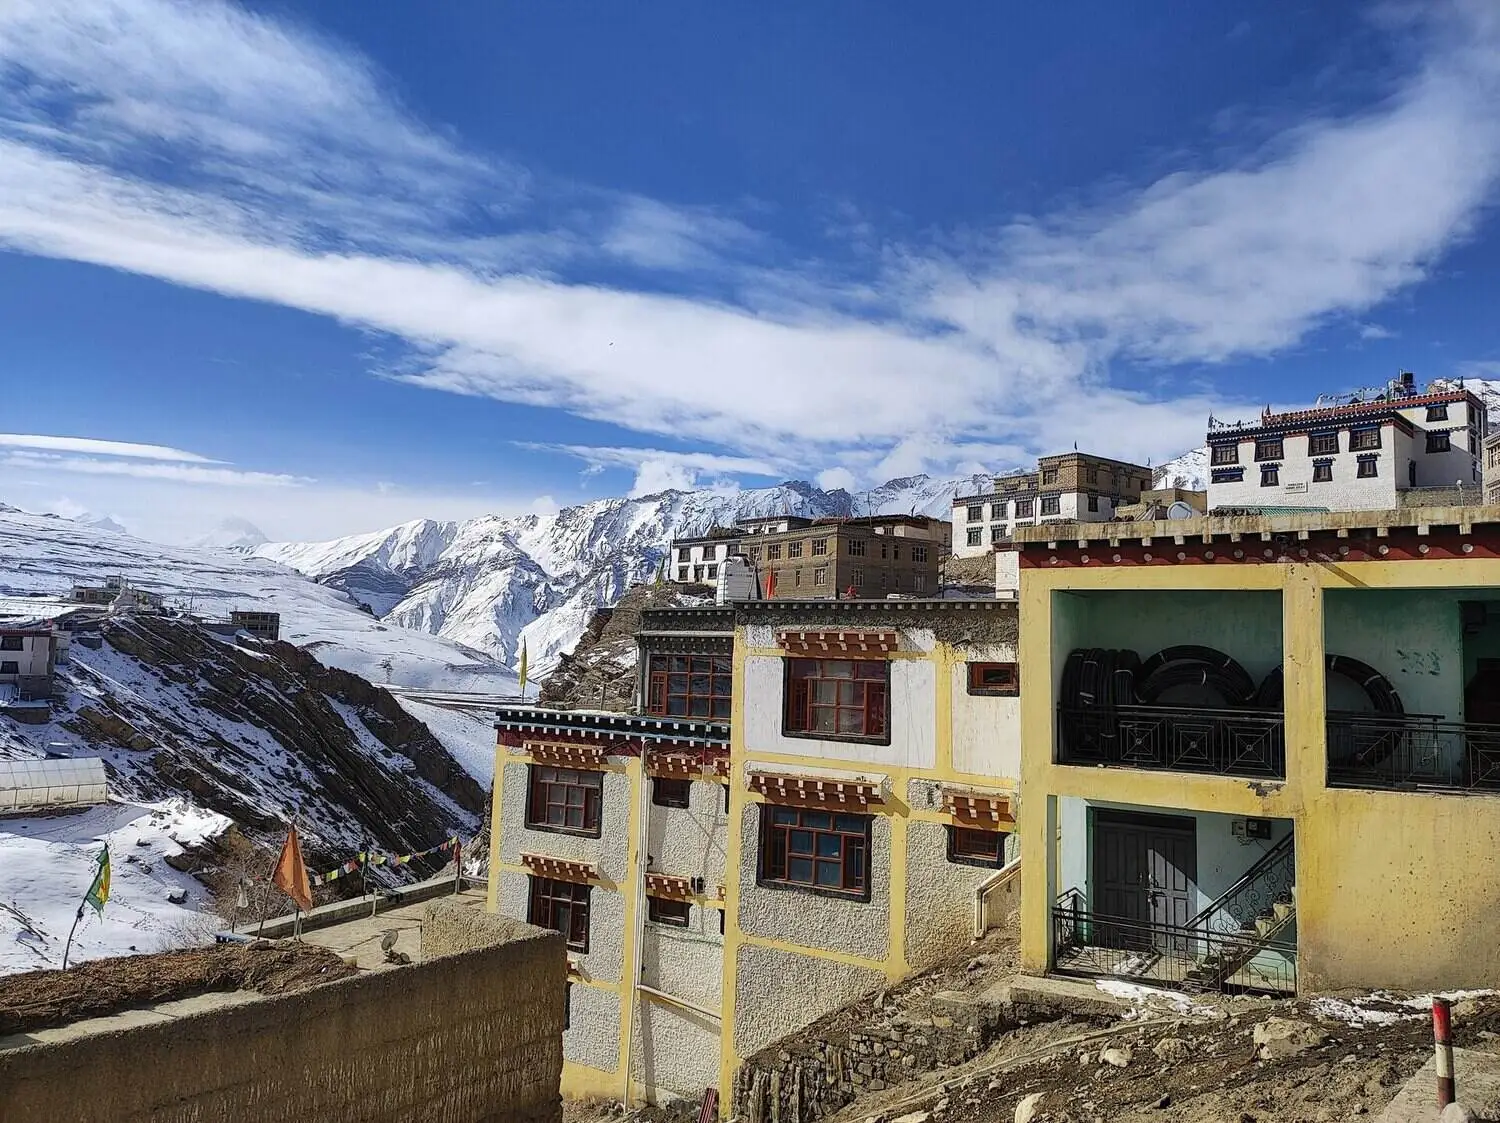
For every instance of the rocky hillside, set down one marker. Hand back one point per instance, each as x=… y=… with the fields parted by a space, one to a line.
x=600 y=672
x=253 y=734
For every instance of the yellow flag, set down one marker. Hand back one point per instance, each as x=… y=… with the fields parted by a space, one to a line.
x=523 y=667
x=99 y=891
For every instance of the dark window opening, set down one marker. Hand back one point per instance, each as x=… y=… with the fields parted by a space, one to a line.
x=1367 y=470
x=1226 y=454
x=815 y=850
x=567 y=1005
x=12 y=643
x=967 y=846
x=1093 y=502
x=1051 y=505
x=1439 y=442
x=562 y=906
x=1268 y=449
x=1270 y=475
x=1437 y=413
x=837 y=697
x=668 y=792
x=994 y=678
x=663 y=910
x=690 y=686
x=10 y=667
x=564 y=799
x=1323 y=444
x=1322 y=473
x=1363 y=439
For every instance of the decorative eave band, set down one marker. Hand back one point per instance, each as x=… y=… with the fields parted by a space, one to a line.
x=816 y=791
x=561 y=869
x=978 y=809
x=566 y=754
x=665 y=885
x=837 y=642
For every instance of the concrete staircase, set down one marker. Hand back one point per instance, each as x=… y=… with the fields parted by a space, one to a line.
x=1233 y=952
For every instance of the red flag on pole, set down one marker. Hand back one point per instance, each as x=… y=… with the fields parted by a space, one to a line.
x=291 y=872
x=770 y=583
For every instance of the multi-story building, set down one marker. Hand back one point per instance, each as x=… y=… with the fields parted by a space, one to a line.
x=1492 y=469
x=29 y=653
x=1071 y=487
x=261 y=625
x=696 y=561
x=1402 y=448
x=872 y=556
x=724 y=884
x=1263 y=753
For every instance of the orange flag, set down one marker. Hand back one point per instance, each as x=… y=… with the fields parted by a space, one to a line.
x=770 y=584
x=291 y=873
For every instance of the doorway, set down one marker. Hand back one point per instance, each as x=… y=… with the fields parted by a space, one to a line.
x=1144 y=870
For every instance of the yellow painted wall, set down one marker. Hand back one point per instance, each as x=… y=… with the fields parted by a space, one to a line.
x=1394 y=889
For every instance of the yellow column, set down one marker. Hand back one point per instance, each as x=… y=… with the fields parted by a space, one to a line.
x=733 y=858
x=629 y=890
x=1037 y=818
x=497 y=793
x=1305 y=703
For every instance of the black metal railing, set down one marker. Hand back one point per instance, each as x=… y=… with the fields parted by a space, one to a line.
x=1270 y=881
x=1412 y=751
x=1228 y=742
x=1093 y=944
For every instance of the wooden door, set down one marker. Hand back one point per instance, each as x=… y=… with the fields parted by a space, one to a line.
x=1144 y=871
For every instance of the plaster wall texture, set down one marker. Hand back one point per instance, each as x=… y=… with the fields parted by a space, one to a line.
x=376 y=1048
x=686 y=963
x=593 y=1034
x=676 y=1051
x=604 y=961
x=939 y=895
x=1007 y=571
x=690 y=841
x=1413 y=637
x=986 y=735
x=609 y=851
x=912 y=736
x=778 y=992
x=814 y=920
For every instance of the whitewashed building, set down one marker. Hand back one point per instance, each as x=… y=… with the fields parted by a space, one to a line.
x=1402 y=448
x=696 y=561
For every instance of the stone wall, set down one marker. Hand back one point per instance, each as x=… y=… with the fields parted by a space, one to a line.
x=463 y=1038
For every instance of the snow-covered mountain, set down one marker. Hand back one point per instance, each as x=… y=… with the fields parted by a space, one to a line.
x=234 y=534
x=1190 y=471
x=491 y=582
x=44 y=554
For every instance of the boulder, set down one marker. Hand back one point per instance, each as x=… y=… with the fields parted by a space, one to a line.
x=1278 y=1038
x=1115 y=1057
x=1029 y=1107
x=1457 y=1113
x=1172 y=1050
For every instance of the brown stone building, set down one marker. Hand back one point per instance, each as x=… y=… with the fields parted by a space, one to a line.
x=874 y=556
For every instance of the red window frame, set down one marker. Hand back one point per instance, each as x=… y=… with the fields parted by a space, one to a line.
x=973 y=847
x=838 y=699
x=822 y=851
x=562 y=906
x=665 y=910
x=998 y=679
x=565 y=800
x=698 y=686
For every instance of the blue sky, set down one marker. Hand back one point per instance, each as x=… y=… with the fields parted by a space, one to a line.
x=330 y=265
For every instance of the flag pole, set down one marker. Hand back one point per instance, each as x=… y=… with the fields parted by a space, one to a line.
x=69 y=946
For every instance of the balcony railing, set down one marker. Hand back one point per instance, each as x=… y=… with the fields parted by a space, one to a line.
x=1197 y=959
x=1231 y=742
x=1412 y=752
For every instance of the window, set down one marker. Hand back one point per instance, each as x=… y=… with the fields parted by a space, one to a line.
x=564 y=799
x=919 y=582
x=970 y=847
x=753 y=553
x=919 y=553
x=857 y=577
x=820 y=547
x=697 y=573
x=690 y=686
x=1437 y=413
x=562 y=906
x=997 y=510
x=1025 y=508
x=10 y=667
x=773 y=553
x=1049 y=476
x=661 y=910
x=1270 y=475
x=815 y=849
x=794 y=549
x=1362 y=439
x=1322 y=444
x=858 y=547
x=895 y=551
x=975 y=536
x=1323 y=472
x=1269 y=448
x=711 y=572
x=682 y=573
x=1367 y=469
x=976 y=512
x=12 y=643
x=820 y=575
x=1093 y=503
x=997 y=534
x=1051 y=504
x=667 y=791
x=884 y=548
x=1001 y=679
x=837 y=697
x=683 y=554
x=1439 y=442
x=796 y=577
x=721 y=920
x=1226 y=454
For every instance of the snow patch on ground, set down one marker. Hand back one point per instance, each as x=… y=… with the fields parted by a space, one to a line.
x=49 y=864
x=1382 y=1008
x=468 y=736
x=1153 y=996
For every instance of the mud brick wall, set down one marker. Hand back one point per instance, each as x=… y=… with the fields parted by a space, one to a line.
x=461 y=1038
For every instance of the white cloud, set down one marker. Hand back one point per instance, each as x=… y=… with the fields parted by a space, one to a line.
x=307 y=185
x=658 y=470
x=831 y=479
x=179 y=473
x=91 y=445
x=1375 y=331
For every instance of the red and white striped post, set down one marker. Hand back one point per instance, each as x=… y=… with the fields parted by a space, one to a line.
x=1442 y=1036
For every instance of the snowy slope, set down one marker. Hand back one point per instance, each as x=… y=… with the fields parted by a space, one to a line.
x=491 y=582
x=1190 y=471
x=45 y=554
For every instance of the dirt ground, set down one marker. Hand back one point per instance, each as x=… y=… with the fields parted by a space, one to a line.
x=40 y=999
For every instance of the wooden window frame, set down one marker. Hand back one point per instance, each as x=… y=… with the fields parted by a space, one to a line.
x=543 y=897
x=919 y=554
x=1444 y=441
x=873 y=704
x=781 y=853
x=1025 y=508
x=773 y=551
x=1270 y=448
x=962 y=850
x=974 y=536
x=1094 y=503
x=976 y=513
x=977 y=686
x=539 y=799
x=1438 y=412
x=668 y=912
x=1329 y=448
x=857 y=577
x=1359 y=437
x=10 y=667
x=666 y=681
x=1323 y=472
x=1368 y=468
x=671 y=791
x=820 y=547
x=1270 y=475
x=1224 y=454
x=1052 y=504
x=1049 y=476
